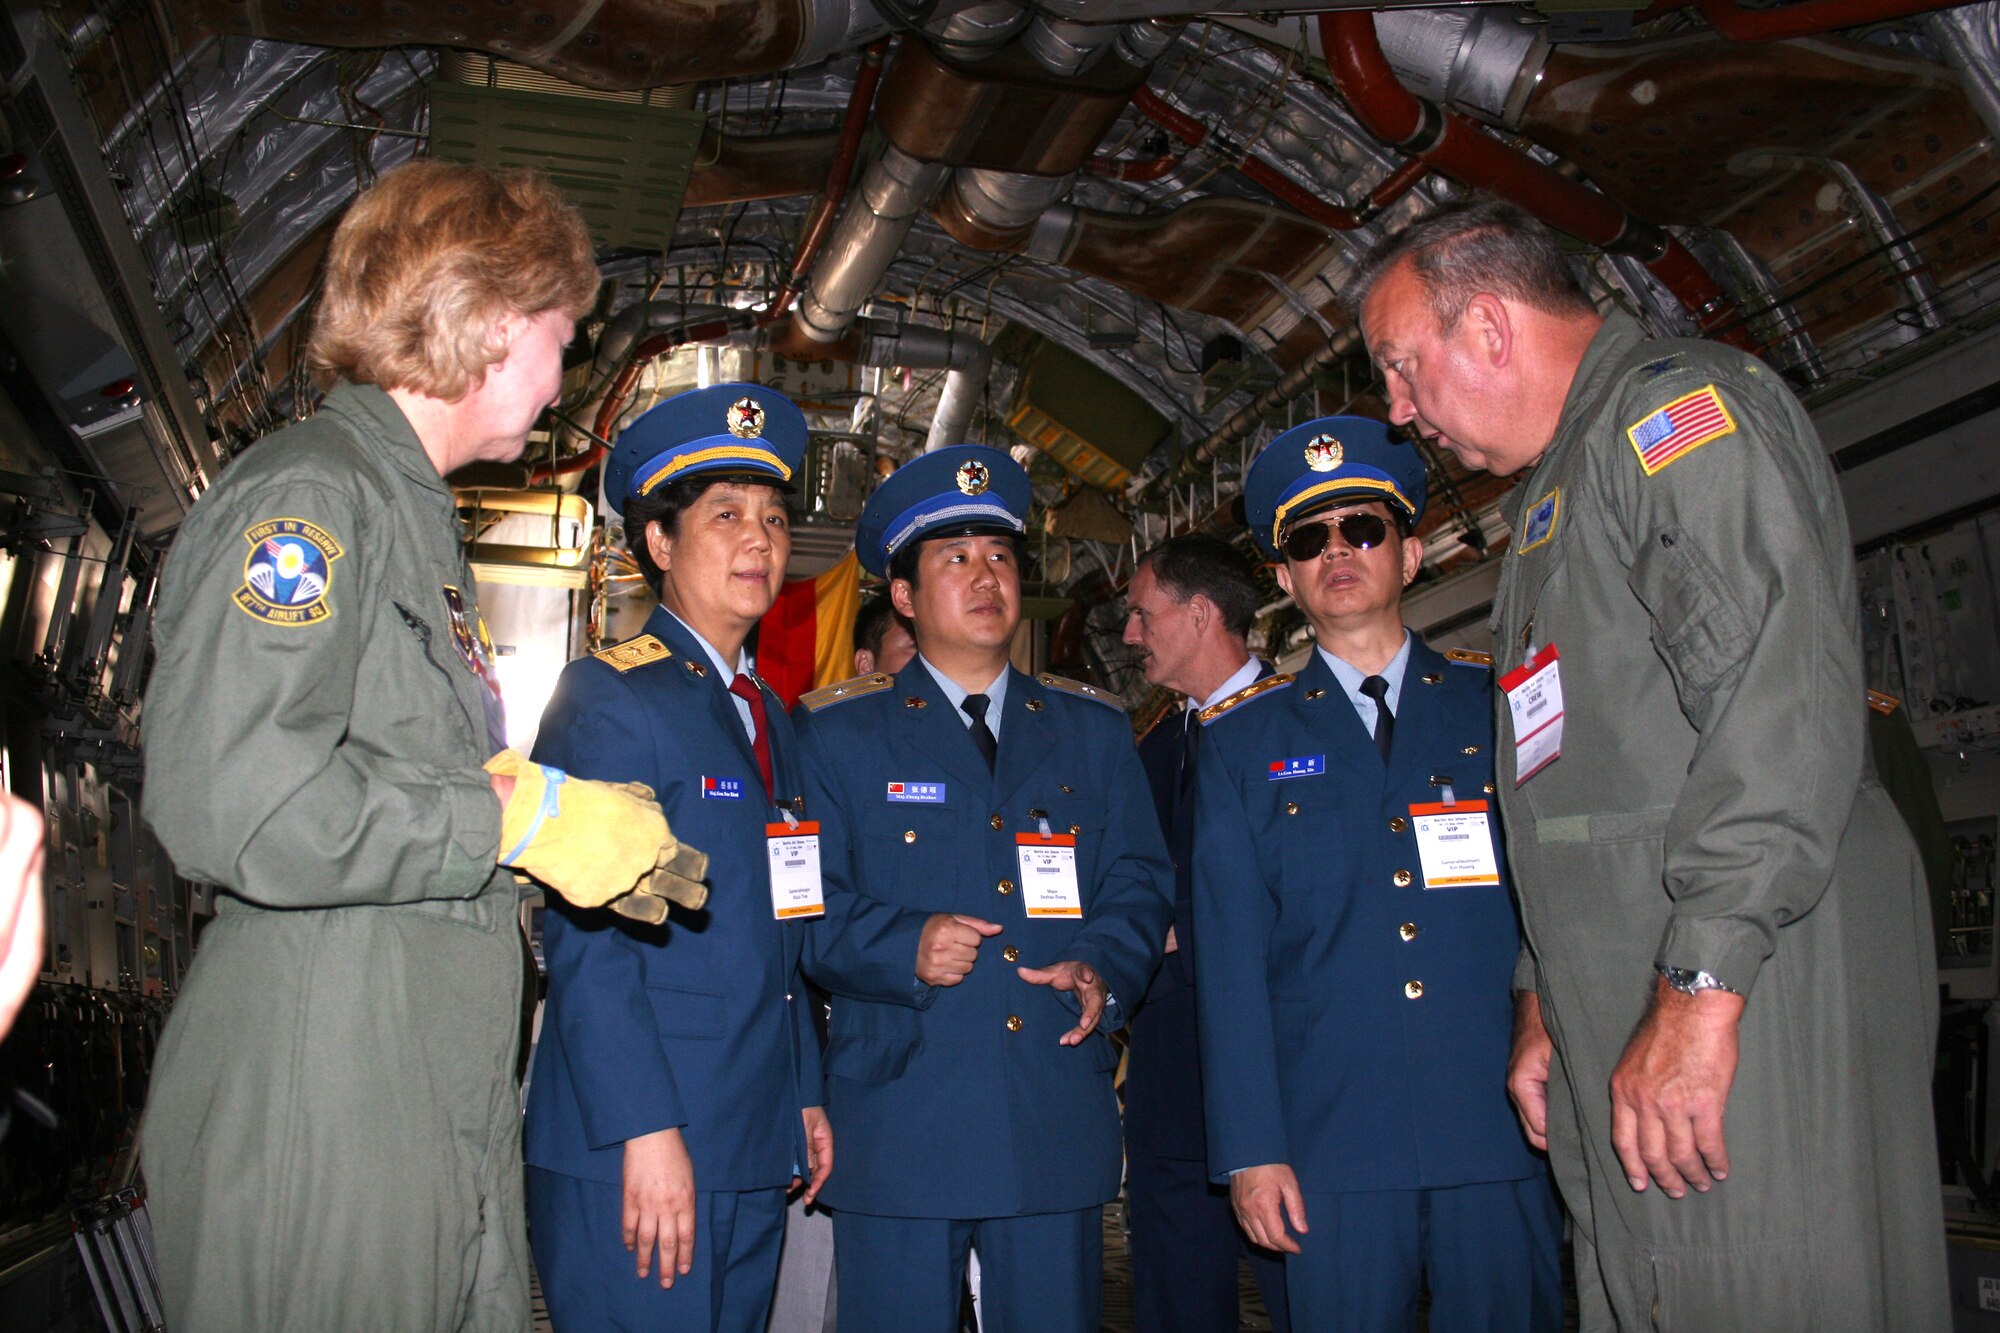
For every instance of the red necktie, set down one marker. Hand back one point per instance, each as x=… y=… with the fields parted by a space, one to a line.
x=746 y=689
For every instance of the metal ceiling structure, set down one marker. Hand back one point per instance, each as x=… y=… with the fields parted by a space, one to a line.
x=971 y=219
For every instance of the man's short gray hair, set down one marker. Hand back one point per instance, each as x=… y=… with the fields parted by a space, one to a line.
x=1482 y=246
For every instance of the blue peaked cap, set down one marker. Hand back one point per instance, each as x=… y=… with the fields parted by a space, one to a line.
x=965 y=486
x=1331 y=461
x=744 y=430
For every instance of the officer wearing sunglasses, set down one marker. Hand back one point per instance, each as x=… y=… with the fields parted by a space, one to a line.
x=1358 y=932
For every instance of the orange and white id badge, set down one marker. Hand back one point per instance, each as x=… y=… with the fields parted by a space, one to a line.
x=796 y=892
x=1535 y=699
x=1455 y=843
x=1048 y=875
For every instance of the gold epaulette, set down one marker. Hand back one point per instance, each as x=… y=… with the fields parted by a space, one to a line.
x=1884 y=704
x=1079 y=689
x=632 y=653
x=853 y=688
x=1467 y=657
x=1244 y=696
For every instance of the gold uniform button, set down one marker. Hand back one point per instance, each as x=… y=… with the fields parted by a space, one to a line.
x=997 y=823
x=1471 y=749
x=1401 y=879
x=1314 y=693
x=1489 y=789
x=1291 y=807
x=1075 y=830
x=1413 y=990
x=1005 y=886
x=909 y=835
x=1398 y=824
x=1067 y=790
x=1011 y=954
x=1408 y=930
x=1014 y=1020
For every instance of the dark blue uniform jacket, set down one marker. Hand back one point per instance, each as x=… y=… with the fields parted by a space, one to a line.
x=701 y=1023
x=940 y=1106
x=1317 y=1048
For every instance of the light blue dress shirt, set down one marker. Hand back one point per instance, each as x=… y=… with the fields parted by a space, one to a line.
x=996 y=695
x=1350 y=680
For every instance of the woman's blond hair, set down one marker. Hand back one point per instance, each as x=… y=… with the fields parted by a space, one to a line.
x=427 y=262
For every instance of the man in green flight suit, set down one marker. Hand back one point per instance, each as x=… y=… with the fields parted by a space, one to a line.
x=333 y=1135
x=1723 y=911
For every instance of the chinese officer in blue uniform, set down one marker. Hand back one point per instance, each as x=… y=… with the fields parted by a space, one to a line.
x=676 y=1089
x=997 y=895
x=1358 y=937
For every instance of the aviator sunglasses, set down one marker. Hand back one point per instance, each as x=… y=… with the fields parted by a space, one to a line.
x=1360 y=531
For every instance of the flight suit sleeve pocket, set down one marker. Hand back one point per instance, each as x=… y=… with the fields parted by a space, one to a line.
x=868 y=1059
x=688 y=1014
x=1699 y=628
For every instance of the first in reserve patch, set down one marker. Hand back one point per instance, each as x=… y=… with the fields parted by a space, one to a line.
x=1679 y=428
x=288 y=573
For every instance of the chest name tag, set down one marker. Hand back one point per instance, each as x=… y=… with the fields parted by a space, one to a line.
x=917 y=793
x=1306 y=766
x=722 y=789
x=796 y=892
x=1456 y=844
x=1535 y=699
x=1048 y=875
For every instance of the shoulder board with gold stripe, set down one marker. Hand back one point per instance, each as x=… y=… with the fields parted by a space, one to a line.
x=853 y=688
x=1467 y=657
x=1080 y=690
x=1268 y=685
x=632 y=653
x=1884 y=704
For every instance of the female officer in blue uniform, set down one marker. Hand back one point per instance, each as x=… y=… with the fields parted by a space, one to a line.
x=1357 y=932
x=676 y=1089
x=997 y=893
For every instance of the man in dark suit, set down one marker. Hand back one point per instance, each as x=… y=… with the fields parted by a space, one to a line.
x=997 y=894
x=1357 y=933
x=1188 y=611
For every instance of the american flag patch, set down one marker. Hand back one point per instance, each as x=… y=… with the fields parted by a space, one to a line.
x=1681 y=427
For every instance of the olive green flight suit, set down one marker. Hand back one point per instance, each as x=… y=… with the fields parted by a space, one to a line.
x=1712 y=809
x=333 y=1135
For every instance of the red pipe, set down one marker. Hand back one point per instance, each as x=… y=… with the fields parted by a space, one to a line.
x=859 y=99
x=1193 y=133
x=1806 y=19
x=1461 y=149
x=1133 y=168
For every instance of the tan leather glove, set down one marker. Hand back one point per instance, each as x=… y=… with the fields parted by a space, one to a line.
x=596 y=843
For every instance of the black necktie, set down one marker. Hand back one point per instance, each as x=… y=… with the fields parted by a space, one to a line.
x=1190 y=747
x=982 y=735
x=1377 y=689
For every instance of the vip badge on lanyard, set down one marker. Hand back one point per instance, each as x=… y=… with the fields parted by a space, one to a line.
x=1535 y=699
x=1048 y=875
x=1455 y=842
x=796 y=892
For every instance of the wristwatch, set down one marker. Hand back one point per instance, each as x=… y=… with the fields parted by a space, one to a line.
x=1687 y=980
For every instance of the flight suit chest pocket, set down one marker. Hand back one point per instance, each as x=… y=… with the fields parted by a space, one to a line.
x=1699 y=628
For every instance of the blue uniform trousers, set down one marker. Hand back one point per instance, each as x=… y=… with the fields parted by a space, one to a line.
x=1490 y=1253
x=1184 y=1234
x=1184 y=1246
x=591 y=1282
x=1038 y=1273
